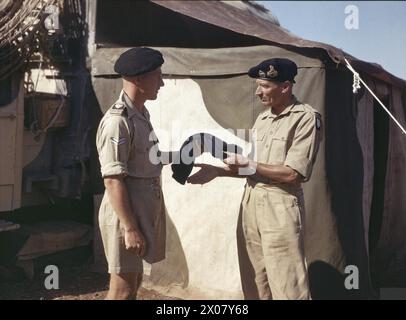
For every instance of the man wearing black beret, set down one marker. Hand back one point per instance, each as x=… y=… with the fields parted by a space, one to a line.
x=271 y=224
x=132 y=212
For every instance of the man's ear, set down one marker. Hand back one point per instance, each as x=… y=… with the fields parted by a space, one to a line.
x=286 y=85
x=132 y=79
x=136 y=80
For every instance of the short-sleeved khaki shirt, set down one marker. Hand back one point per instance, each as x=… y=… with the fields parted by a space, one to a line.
x=126 y=142
x=291 y=138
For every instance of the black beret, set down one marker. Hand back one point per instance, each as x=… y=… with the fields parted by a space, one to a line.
x=277 y=69
x=138 y=61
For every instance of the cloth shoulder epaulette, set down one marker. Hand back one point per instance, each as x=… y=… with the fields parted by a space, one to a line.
x=309 y=108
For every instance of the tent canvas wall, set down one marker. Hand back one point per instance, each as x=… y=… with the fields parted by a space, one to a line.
x=207 y=91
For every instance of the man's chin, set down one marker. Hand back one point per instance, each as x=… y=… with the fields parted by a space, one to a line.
x=266 y=104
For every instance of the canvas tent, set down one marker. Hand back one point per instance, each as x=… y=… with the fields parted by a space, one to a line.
x=355 y=210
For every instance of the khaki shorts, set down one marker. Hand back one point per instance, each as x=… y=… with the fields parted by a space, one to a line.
x=272 y=237
x=149 y=208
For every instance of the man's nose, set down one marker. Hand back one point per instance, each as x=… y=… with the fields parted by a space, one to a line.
x=258 y=91
x=161 y=83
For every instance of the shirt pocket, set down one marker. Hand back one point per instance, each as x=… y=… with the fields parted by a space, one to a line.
x=277 y=150
x=141 y=151
x=261 y=153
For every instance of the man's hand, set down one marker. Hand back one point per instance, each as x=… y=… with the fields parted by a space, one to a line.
x=236 y=160
x=134 y=240
x=204 y=175
x=240 y=165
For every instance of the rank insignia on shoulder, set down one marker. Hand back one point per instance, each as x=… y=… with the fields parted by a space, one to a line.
x=118 y=141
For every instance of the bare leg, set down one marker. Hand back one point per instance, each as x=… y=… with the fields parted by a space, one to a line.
x=122 y=286
x=137 y=283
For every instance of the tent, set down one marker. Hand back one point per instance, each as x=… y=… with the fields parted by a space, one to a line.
x=356 y=213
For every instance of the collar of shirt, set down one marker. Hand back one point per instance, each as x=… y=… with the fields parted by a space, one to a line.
x=132 y=109
x=291 y=108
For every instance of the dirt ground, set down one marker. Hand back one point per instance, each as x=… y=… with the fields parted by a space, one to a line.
x=78 y=279
x=76 y=283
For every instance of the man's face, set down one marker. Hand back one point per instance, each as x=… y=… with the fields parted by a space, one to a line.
x=150 y=83
x=270 y=92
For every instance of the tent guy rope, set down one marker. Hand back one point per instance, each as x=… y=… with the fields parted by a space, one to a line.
x=356 y=86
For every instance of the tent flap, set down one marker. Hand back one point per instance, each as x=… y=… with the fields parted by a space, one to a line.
x=204 y=62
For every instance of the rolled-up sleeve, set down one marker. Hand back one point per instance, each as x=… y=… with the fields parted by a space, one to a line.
x=113 y=145
x=303 y=151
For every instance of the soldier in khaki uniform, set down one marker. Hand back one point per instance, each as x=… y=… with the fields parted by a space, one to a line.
x=272 y=213
x=132 y=212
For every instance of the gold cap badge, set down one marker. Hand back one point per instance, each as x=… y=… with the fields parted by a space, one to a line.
x=272 y=73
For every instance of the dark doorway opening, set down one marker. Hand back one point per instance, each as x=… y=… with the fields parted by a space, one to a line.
x=381 y=142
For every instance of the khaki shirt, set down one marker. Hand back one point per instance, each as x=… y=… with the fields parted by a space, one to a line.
x=291 y=138
x=125 y=138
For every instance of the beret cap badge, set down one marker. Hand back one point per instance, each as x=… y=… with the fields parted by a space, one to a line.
x=272 y=73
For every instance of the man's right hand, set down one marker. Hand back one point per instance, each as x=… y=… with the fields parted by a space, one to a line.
x=204 y=175
x=134 y=240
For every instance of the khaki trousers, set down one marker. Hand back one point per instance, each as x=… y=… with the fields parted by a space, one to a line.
x=270 y=243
